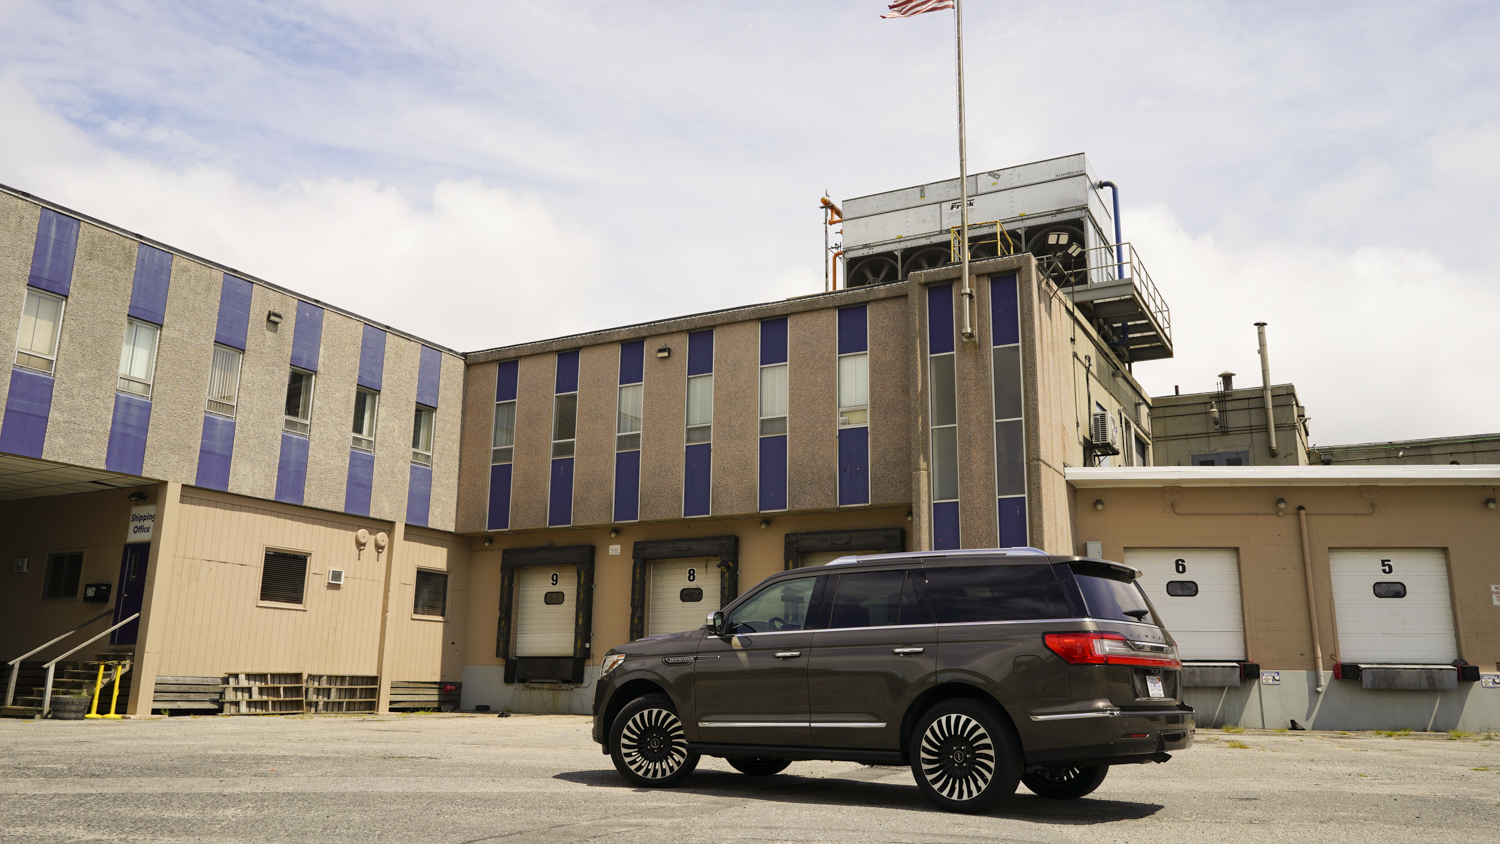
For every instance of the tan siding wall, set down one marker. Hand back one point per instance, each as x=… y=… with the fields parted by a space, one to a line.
x=474 y=457
x=423 y=648
x=736 y=418
x=183 y=360
x=663 y=428
x=892 y=417
x=812 y=414
x=594 y=464
x=18 y=224
x=262 y=402
x=536 y=385
x=448 y=434
x=398 y=405
x=333 y=413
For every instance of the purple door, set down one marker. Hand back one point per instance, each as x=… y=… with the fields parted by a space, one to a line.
x=132 y=587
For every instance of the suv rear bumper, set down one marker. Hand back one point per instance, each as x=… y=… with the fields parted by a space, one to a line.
x=1110 y=737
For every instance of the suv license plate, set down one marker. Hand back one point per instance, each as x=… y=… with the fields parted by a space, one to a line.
x=1153 y=686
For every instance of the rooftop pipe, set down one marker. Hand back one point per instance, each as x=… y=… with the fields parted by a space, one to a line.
x=1114 y=191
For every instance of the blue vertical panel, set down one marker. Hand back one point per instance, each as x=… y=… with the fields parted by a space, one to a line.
x=307 y=338
x=773 y=473
x=359 y=483
x=854 y=466
x=153 y=275
x=52 y=257
x=633 y=362
x=215 y=452
x=24 y=430
x=773 y=341
x=939 y=319
x=371 y=358
x=567 y=372
x=429 y=376
x=234 y=313
x=505 y=380
x=127 y=435
x=1013 y=523
x=945 y=525
x=418 y=495
x=853 y=333
x=560 y=493
x=697 y=479
x=627 y=486
x=701 y=352
x=291 y=469
x=499 y=511
x=1005 y=314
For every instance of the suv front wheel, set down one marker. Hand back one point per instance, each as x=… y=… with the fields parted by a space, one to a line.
x=963 y=757
x=648 y=745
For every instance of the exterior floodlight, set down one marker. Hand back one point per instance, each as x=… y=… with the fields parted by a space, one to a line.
x=664 y=352
x=1098 y=504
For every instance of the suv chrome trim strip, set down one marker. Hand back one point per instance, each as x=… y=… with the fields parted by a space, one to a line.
x=858 y=725
x=1068 y=716
x=738 y=724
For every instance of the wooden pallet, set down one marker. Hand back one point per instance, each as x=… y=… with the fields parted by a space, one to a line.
x=264 y=693
x=327 y=693
x=187 y=693
x=425 y=694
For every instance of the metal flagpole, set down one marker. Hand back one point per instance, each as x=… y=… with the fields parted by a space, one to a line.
x=967 y=294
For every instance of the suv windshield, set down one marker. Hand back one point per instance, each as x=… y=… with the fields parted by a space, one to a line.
x=1111 y=593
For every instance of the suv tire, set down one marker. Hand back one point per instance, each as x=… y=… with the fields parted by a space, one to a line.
x=1064 y=783
x=963 y=756
x=758 y=766
x=648 y=745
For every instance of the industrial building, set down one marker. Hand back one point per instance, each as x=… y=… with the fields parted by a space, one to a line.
x=275 y=505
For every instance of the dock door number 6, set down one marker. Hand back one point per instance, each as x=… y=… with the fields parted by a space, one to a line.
x=1181 y=566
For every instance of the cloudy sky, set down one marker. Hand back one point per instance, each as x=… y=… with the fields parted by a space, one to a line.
x=483 y=173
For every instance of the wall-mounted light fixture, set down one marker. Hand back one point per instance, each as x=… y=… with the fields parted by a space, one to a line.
x=488 y=541
x=1281 y=506
x=274 y=317
x=141 y=496
x=1490 y=503
x=1098 y=504
x=613 y=532
x=664 y=352
x=765 y=523
x=908 y=515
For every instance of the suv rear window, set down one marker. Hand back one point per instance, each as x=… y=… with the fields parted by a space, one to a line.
x=995 y=593
x=1111 y=594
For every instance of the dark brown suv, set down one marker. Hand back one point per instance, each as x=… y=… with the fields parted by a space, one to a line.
x=979 y=669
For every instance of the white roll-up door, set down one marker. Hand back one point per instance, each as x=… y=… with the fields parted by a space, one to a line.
x=1196 y=591
x=546 y=605
x=1412 y=623
x=682 y=593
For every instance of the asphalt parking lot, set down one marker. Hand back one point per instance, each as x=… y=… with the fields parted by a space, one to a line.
x=471 y=778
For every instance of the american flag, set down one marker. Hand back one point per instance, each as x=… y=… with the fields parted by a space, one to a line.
x=908 y=8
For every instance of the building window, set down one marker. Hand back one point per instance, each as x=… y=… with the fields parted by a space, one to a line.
x=628 y=418
x=700 y=408
x=1010 y=447
x=944 y=428
x=63 y=574
x=421 y=436
x=1142 y=456
x=299 y=393
x=503 y=441
x=283 y=578
x=366 y=402
x=41 y=320
x=432 y=593
x=564 y=424
x=224 y=381
x=854 y=390
x=138 y=358
x=773 y=399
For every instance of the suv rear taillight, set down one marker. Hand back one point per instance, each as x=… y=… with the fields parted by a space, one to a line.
x=1110 y=649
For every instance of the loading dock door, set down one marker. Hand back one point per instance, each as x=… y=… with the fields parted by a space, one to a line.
x=1392 y=605
x=546 y=605
x=1197 y=593
x=683 y=593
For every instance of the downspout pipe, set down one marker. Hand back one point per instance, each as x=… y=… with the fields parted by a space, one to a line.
x=1312 y=601
x=1265 y=387
x=1114 y=192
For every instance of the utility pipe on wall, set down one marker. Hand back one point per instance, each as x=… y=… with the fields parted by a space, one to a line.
x=1312 y=601
x=1265 y=387
x=1114 y=191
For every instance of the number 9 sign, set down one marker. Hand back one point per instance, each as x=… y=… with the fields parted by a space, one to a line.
x=554 y=578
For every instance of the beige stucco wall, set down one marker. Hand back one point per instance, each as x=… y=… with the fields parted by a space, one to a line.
x=892 y=414
x=663 y=427
x=333 y=412
x=536 y=385
x=736 y=453
x=594 y=452
x=18 y=224
x=183 y=360
x=812 y=411
x=448 y=435
x=474 y=454
x=393 y=429
x=262 y=399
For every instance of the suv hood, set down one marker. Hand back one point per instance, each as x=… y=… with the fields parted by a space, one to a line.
x=666 y=643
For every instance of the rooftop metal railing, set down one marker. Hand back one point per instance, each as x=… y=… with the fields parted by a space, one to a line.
x=1116 y=262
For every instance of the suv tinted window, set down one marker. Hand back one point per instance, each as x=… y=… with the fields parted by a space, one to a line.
x=878 y=599
x=995 y=593
x=1112 y=594
x=780 y=606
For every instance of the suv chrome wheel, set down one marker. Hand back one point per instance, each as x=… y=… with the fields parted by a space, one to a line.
x=964 y=759
x=648 y=745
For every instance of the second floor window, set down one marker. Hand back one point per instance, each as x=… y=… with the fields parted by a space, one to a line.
x=628 y=419
x=503 y=441
x=365 y=402
x=299 y=393
x=224 y=381
x=41 y=320
x=564 y=424
x=773 y=401
x=138 y=358
x=854 y=390
x=700 y=408
x=421 y=436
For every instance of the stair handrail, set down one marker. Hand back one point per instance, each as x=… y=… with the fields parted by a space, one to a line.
x=15 y=664
x=52 y=666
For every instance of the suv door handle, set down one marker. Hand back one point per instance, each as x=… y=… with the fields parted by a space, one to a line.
x=788 y=654
x=907 y=651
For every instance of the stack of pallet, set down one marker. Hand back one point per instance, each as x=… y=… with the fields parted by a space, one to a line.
x=342 y=693
x=264 y=693
x=174 y=694
x=421 y=694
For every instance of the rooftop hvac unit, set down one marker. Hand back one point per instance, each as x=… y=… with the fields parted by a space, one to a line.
x=1104 y=437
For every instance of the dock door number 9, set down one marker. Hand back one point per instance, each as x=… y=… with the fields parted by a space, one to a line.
x=554 y=578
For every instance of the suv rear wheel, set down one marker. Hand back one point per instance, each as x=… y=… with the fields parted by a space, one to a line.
x=1064 y=783
x=648 y=745
x=758 y=766
x=963 y=757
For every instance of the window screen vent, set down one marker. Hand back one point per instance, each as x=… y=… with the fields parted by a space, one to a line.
x=432 y=593
x=283 y=577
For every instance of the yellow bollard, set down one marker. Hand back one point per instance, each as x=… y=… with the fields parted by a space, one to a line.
x=114 y=697
x=98 y=684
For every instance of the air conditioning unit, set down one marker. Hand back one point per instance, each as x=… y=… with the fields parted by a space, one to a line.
x=335 y=577
x=1104 y=436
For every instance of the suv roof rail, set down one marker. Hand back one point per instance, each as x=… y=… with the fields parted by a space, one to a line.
x=1024 y=551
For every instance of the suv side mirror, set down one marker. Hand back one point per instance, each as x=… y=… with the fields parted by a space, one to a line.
x=716 y=623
